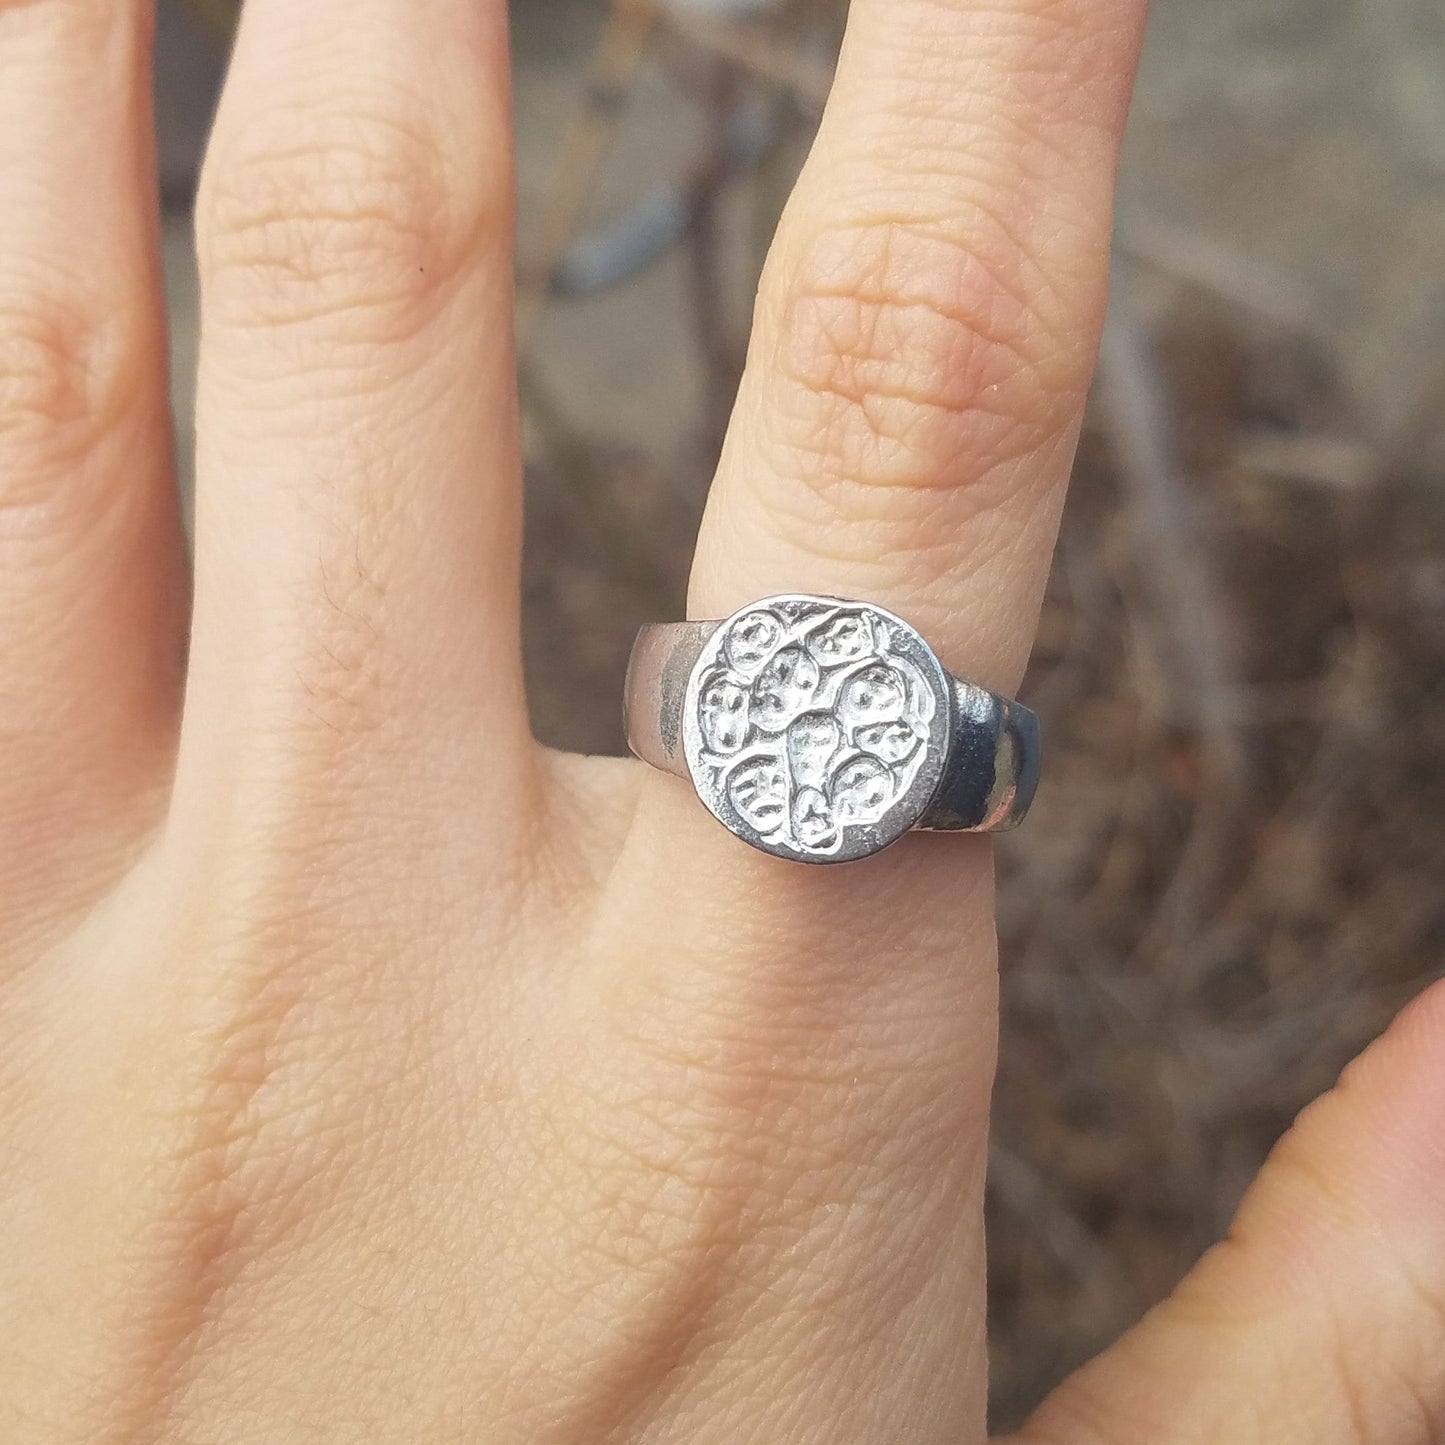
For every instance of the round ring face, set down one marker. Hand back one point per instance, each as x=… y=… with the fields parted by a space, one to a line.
x=817 y=729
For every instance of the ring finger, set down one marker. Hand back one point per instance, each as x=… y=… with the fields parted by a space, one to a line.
x=928 y=324
x=924 y=339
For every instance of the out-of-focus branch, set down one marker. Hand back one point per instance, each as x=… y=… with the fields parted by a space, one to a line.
x=572 y=467
x=1028 y=1193
x=755 y=53
x=614 y=64
x=1188 y=255
x=217 y=15
x=1184 y=593
x=1188 y=622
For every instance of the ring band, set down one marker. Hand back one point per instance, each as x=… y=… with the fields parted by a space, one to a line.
x=822 y=730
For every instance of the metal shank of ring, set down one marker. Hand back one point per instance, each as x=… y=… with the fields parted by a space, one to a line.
x=989 y=778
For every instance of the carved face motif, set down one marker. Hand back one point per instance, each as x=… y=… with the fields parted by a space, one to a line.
x=815 y=728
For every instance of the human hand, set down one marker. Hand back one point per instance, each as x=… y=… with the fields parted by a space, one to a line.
x=369 y=1074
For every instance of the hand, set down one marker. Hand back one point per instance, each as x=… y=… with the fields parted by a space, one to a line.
x=367 y=1073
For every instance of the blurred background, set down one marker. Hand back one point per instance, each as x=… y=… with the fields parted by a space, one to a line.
x=1234 y=873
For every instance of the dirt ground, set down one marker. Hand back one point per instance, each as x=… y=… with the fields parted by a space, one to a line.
x=1233 y=874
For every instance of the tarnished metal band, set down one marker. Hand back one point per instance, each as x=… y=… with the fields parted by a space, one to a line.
x=988 y=775
x=661 y=665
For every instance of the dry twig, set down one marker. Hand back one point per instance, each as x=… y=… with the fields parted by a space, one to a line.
x=614 y=65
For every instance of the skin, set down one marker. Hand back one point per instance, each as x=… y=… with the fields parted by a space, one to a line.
x=368 y=1073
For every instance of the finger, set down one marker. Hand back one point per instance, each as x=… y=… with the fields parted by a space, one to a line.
x=923 y=340
x=928 y=323
x=91 y=564
x=1321 y=1320
x=358 y=461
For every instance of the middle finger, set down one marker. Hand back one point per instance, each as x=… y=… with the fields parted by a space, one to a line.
x=357 y=521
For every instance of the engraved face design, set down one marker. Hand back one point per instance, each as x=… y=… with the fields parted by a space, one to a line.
x=813 y=742
x=815 y=728
x=847 y=638
x=724 y=714
x=759 y=791
x=862 y=790
x=877 y=694
x=752 y=640
x=784 y=687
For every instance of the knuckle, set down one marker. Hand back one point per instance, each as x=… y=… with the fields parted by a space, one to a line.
x=69 y=376
x=726 y=1086
x=912 y=366
x=359 y=217
x=692 y=1142
x=249 y=1121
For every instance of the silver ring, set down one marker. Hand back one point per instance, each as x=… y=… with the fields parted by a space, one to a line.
x=823 y=730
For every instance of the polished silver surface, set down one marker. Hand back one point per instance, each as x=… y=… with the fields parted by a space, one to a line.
x=822 y=730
